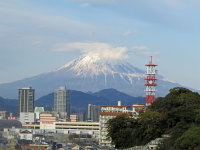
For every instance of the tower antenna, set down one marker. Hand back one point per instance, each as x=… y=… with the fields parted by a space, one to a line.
x=150 y=82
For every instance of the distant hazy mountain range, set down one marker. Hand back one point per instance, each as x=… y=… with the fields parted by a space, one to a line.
x=89 y=73
x=10 y=105
x=79 y=100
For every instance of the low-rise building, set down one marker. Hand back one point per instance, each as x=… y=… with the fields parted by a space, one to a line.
x=87 y=126
x=93 y=126
x=26 y=135
x=37 y=111
x=4 y=114
x=74 y=117
x=47 y=121
x=138 y=107
x=27 y=117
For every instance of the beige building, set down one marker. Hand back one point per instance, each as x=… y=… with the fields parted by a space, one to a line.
x=77 y=117
x=74 y=117
x=109 y=112
x=47 y=121
x=93 y=126
x=137 y=107
x=87 y=126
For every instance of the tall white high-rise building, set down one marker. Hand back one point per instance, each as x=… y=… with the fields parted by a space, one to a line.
x=62 y=102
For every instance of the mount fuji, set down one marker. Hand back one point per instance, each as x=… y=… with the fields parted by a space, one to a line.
x=89 y=73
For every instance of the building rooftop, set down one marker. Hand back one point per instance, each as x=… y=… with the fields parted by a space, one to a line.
x=26 y=88
x=114 y=113
x=114 y=106
x=10 y=124
x=138 y=104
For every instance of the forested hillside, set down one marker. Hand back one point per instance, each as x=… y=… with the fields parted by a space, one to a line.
x=177 y=114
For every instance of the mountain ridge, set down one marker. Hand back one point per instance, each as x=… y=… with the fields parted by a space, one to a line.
x=89 y=73
x=79 y=100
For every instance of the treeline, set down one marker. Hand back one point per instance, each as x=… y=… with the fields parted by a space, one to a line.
x=177 y=114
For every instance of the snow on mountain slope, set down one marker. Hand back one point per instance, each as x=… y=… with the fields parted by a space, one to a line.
x=93 y=66
x=89 y=73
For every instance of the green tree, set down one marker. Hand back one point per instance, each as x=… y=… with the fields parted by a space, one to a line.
x=120 y=130
x=177 y=114
x=150 y=125
x=189 y=140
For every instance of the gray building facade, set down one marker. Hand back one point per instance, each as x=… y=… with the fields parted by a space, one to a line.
x=62 y=102
x=26 y=98
x=93 y=113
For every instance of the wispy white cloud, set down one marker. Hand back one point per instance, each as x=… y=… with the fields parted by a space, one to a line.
x=130 y=32
x=36 y=42
x=104 y=50
x=84 y=5
x=144 y=51
x=20 y=27
x=97 y=1
x=166 y=12
x=169 y=2
x=140 y=48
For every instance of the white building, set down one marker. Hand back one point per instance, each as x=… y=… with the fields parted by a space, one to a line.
x=109 y=112
x=138 y=107
x=26 y=135
x=27 y=117
x=37 y=111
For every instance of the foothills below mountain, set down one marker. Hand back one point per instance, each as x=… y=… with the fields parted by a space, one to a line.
x=79 y=100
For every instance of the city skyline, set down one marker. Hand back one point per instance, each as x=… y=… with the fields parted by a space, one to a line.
x=33 y=33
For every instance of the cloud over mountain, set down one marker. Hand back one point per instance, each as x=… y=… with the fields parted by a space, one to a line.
x=103 y=50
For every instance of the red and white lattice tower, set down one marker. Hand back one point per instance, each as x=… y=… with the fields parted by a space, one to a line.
x=150 y=82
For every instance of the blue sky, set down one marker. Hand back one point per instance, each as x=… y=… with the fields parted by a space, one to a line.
x=38 y=36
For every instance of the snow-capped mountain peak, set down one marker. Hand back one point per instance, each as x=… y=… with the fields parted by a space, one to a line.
x=89 y=73
x=95 y=65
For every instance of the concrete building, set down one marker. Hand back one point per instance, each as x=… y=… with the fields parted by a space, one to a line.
x=26 y=99
x=37 y=111
x=62 y=102
x=27 y=117
x=137 y=107
x=65 y=126
x=109 y=112
x=4 y=114
x=77 y=117
x=92 y=126
x=81 y=117
x=93 y=113
x=74 y=118
x=26 y=135
x=9 y=124
x=47 y=121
